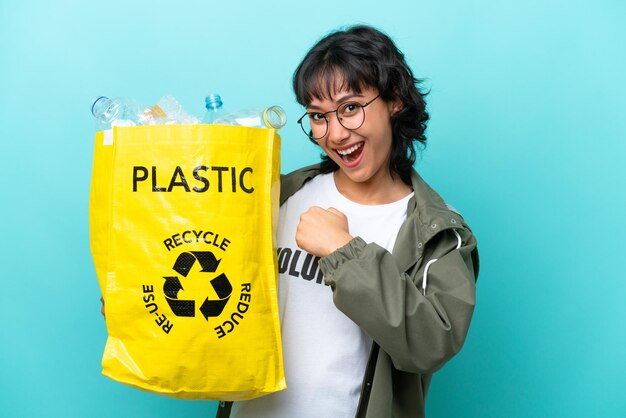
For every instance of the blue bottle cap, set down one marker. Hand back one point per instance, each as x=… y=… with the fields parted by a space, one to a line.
x=213 y=101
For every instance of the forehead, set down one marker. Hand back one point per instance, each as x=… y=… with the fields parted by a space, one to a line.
x=339 y=96
x=330 y=84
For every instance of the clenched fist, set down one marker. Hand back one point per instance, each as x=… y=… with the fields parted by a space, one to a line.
x=322 y=231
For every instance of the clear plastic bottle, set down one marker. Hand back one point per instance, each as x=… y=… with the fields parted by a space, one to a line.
x=122 y=111
x=214 y=108
x=270 y=117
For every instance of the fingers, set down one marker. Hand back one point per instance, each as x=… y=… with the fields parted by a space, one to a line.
x=322 y=231
x=335 y=211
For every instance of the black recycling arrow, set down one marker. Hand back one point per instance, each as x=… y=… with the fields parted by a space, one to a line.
x=185 y=262
x=221 y=285
x=182 y=307
x=224 y=289
x=207 y=260
x=172 y=286
x=179 y=307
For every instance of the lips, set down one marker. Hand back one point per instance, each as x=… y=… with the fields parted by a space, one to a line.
x=350 y=155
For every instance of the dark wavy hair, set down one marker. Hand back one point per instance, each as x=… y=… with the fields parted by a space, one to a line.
x=361 y=57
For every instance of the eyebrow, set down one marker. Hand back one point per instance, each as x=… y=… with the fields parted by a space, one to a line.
x=339 y=101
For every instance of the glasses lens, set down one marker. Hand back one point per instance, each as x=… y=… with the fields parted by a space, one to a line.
x=314 y=125
x=351 y=115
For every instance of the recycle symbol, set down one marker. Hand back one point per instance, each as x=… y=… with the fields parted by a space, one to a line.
x=221 y=285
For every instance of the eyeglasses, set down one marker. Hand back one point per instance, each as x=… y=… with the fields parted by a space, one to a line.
x=350 y=115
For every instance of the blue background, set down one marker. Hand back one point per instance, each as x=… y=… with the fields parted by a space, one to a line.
x=527 y=140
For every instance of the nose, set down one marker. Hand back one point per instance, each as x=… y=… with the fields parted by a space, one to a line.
x=337 y=133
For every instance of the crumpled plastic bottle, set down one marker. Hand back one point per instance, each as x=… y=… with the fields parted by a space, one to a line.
x=124 y=111
x=173 y=112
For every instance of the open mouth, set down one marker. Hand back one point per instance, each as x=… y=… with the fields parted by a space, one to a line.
x=351 y=154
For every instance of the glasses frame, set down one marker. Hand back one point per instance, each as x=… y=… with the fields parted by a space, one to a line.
x=336 y=112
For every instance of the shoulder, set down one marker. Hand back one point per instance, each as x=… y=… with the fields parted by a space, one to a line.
x=433 y=220
x=292 y=182
x=428 y=213
x=430 y=207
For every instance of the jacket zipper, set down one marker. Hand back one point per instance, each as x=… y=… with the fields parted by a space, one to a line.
x=368 y=379
x=223 y=411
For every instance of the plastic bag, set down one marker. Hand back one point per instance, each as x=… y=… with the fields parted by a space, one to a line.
x=183 y=228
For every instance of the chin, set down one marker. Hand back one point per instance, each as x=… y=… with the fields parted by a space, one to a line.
x=357 y=176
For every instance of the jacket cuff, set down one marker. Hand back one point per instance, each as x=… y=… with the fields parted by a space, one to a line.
x=348 y=252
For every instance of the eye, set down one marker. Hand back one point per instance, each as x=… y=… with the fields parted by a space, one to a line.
x=350 y=109
x=317 y=117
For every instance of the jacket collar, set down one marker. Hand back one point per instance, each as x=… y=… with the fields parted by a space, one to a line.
x=291 y=183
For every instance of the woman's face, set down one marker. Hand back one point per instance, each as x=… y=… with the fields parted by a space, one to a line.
x=362 y=154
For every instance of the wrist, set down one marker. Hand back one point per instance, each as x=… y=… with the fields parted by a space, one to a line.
x=340 y=242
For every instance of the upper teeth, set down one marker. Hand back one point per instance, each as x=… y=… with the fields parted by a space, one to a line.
x=350 y=150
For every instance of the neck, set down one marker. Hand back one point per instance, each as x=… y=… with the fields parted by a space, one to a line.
x=375 y=191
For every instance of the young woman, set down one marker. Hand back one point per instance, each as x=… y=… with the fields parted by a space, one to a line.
x=377 y=274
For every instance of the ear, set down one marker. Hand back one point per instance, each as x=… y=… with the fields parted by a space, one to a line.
x=395 y=106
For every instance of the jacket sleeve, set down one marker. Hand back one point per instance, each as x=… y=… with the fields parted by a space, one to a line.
x=420 y=333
